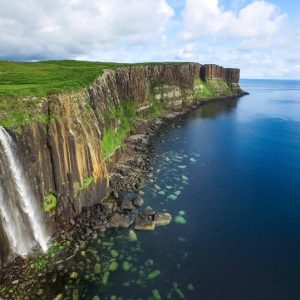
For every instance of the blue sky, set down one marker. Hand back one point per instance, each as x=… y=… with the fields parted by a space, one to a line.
x=260 y=37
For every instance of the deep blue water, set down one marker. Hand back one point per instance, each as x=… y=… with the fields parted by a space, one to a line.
x=234 y=169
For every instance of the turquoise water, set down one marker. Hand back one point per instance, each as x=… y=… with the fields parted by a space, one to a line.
x=229 y=174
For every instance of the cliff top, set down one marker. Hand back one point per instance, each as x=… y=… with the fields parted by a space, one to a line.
x=22 y=79
x=24 y=84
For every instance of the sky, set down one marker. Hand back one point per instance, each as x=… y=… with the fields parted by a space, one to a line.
x=262 y=38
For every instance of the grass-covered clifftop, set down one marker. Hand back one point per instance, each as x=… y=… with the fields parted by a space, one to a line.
x=24 y=84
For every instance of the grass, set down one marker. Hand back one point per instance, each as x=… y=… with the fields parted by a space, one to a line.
x=156 y=108
x=50 y=202
x=122 y=121
x=212 y=89
x=84 y=185
x=22 y=79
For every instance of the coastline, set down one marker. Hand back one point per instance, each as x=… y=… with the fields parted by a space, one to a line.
x=129 y=170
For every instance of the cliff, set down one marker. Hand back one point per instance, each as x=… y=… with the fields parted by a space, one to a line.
x=65 y=156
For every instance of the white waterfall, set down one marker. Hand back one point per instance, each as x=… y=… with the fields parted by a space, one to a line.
x=12 y=223
x=12 y=218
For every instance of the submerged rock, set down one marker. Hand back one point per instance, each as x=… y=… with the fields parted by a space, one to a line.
x=97 y=268
x=156 y=294
x=143 y=224
x=132 y=237
x=172 y=197
x=73 y=275
x=105 y=278
x=127 y=205
x=138 y=201
x=113 y=266
x=162 y=219
x=58 y=297
x=154 y=274
x=180 y=220
x=121 y=221
x=148 y=212
x=126 y=265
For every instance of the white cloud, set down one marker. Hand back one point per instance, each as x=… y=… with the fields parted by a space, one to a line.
x=64 y=28
x=203 y=18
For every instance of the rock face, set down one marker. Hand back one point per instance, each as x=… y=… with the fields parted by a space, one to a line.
x=215 y=72
x=63 y=156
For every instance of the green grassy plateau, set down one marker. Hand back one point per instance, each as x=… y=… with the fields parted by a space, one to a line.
x=23 y=84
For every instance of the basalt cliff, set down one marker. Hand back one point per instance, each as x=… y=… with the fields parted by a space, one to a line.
x=65 y=158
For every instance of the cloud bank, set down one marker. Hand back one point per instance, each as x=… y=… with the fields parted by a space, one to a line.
x=256 y=35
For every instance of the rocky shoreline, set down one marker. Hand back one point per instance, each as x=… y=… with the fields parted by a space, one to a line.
x=123 y=208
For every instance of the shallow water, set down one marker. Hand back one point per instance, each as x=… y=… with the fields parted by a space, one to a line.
x=229 y=174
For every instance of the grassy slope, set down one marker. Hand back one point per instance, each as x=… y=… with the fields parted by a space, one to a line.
x=21 y=81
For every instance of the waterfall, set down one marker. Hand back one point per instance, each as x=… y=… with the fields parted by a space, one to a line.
x=18 y=214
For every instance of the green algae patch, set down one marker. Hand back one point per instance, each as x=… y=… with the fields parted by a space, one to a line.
x=154 y=274
x=50 y=202
x=180 y=220
x=77 y=186
x=114 y=253
x=105 y=278
x=113 y=266
x=156 y=294
x=97 y=269
x=126 y=266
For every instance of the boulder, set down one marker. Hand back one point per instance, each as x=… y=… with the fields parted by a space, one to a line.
x=162 y=219
x=146 y=225
x=127 y=205
x=120 y=221
x=138 y=201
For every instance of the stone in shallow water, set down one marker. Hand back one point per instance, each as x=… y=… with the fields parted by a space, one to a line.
x=105 y=278
x=126 y=265
x=162 y=219
x=132 y=237
x=181 y=239
x=146 y=225
x=75 y=295
x=138 y=201
x=193 y=160
x=180 y=220
x=114 y=253
x=181 y=213
x=172 y=197
x=127 y=205
x=191 y=287
x=148 y=211
x=162 y=193
x=96 y=298
x=118 y=220
x=149 y=262
x=184 y=178
x=73 y=275
x=59 y=297
x=154 y=274
x=113 y=266
x=177 y=193
x=179 y=293
x=97 y=268
x=156 y=294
